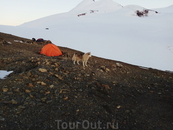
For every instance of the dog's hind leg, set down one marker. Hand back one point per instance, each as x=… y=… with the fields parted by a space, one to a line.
x=74 y=62
x=83 y=63
x=77 y=62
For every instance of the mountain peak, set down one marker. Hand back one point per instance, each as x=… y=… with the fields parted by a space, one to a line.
x=100 y=6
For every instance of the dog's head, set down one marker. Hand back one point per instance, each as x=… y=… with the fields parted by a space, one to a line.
x=89 y=54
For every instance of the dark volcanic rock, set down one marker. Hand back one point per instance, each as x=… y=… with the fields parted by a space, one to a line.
x=53 y=93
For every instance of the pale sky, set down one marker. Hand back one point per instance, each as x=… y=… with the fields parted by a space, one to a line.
x=16 y=12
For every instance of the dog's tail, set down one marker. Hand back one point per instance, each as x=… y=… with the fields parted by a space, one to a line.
x=74 y=55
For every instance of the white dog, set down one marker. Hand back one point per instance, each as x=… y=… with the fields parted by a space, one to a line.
x=84 y=58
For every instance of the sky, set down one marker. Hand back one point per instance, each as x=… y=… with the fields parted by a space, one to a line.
x=16 y=12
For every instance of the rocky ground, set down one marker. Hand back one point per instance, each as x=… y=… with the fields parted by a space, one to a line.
x=49 y=93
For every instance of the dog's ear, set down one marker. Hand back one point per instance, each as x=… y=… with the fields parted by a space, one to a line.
x=89 y=53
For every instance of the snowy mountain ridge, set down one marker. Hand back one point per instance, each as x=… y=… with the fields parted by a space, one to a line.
x=86 y=8
x=118 y=34
x=101 y=6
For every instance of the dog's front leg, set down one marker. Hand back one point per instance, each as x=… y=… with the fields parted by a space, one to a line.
x=78 y=62
x=74 y=62
x=83 y=63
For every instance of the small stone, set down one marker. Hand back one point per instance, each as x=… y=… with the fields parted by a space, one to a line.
x=25 y=77
x=27 y=91
x=47 y=63
x=56 y=64
x=4 y=89
x=159 y=93
x=50 y=73
x=59 y=77
x=41 y=91
x=39 y=82
x=119 y=65
x=13 y=101
x=48 y=92
x=56 y=91
x=106 y=86
x=66 y=72
x=19 y=111
x=31 y=96
x=51 y=86
x=114 y=82
x=107 y=70
x=103 y=68
x=21 y=107
x=80 y=90
x=42 y=83
x=98 y=84
x=2 y=119
x=17 y=90
x=35 y=76
x=114 y=65
x=33 y=79
x=88 y=75
x=65 y=98
x=118 y=106
x=49 y=101
x=43 y=99
x=30 y=85
x=42 y=70
x=29 y=74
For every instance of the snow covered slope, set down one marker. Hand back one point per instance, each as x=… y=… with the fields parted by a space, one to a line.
x=168 y=9
x=116 y=34
x=4 y=73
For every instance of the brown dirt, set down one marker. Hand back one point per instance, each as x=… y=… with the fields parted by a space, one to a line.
x=43 y=90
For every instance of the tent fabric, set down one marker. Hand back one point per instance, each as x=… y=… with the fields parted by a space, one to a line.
x=51 y=50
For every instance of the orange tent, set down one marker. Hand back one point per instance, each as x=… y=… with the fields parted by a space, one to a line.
x=51 y=50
